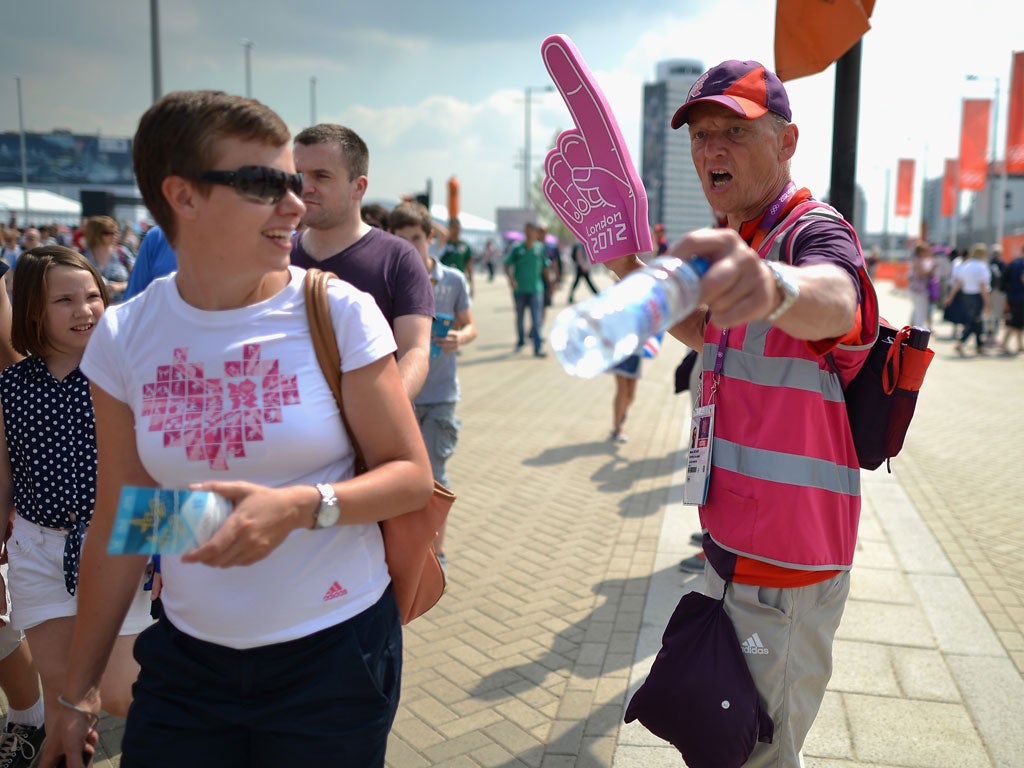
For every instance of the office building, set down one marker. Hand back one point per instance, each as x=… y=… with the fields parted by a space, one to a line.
x=674 y=194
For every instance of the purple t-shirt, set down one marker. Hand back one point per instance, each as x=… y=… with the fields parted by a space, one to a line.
x=828 y=242
x=386 y=267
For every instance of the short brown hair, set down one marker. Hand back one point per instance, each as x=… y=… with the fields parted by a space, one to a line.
x=411 y=215
x=28 y=298
x=354 y=152
x=178 y=136
x=95 y=226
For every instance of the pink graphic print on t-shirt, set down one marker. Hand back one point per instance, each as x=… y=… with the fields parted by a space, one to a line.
x=213 y=419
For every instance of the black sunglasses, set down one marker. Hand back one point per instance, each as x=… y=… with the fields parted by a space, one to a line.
x=257 y=182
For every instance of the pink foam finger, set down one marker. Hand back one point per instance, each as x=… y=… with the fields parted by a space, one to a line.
x=602 y=184
x=574 y=149
x=564 y=196
x=585 y=100
x=560 y=174
x=566 y=209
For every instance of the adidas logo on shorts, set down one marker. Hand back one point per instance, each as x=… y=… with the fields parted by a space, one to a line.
x=754 y=645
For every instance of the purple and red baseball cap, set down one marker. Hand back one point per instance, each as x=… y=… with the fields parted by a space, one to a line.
x=746 y=87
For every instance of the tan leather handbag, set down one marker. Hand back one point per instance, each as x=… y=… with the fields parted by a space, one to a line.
x=416 y=575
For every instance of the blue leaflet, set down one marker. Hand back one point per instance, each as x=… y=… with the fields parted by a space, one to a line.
x=168 y=522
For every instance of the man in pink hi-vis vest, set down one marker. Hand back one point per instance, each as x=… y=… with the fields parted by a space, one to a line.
x=785 y=286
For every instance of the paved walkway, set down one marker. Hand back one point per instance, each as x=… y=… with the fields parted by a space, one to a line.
x=563 y=549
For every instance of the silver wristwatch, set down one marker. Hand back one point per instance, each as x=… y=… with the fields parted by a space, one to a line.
x=328 y=512
x=790 y=291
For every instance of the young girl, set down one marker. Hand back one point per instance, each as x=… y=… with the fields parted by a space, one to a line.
x=48 y=466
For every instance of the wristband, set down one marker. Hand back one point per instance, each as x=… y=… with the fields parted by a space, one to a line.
x=93 y=717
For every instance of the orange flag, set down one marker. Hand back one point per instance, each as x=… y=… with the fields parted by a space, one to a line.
x=949 y=188
x=1015 y=125
x=974 y=144
x=453 y=198
x=811 y=34
x=904 y=187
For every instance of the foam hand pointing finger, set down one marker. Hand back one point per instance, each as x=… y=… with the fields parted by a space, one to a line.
x=589 y=178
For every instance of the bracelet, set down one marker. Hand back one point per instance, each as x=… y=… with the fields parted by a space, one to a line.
x=80 y=710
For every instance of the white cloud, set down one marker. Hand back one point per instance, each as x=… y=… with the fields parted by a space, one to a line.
x=437 y=94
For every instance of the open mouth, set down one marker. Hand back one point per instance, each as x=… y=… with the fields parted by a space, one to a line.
x=84 y=328
x=720 y=178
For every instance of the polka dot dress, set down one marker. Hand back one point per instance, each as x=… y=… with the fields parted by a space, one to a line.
x=50 y=429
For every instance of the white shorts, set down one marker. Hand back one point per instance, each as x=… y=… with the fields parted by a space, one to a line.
x=10 y=638
x=36 y=581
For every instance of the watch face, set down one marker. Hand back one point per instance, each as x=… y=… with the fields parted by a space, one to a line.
x=327 y=516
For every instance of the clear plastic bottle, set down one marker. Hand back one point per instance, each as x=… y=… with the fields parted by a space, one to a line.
x=605 y=329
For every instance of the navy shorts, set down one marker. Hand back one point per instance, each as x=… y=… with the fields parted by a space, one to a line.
x=326 y=699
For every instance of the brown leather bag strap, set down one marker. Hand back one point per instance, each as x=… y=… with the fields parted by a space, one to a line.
x=325 y=343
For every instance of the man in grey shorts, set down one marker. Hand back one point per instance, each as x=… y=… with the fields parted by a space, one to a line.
x=786 y=285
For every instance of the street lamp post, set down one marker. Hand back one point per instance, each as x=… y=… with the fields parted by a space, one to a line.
x=248 y=45
x=312 y=100
x=24 y=161
x=527 y=126
x=997 y=201
x=154 y=48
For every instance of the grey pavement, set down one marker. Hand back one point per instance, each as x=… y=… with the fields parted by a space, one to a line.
x=563 y=551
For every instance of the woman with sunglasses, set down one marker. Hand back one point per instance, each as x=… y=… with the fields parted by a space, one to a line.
x=280 y=634
x=112 y=259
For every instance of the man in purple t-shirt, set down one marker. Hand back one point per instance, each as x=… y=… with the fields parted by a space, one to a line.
x=334 y=161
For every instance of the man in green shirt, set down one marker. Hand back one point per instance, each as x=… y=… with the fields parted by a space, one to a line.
x=458 y=254
x=527 y=268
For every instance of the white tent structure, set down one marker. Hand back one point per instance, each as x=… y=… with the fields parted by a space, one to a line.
x=476 y=230
x=469 y=222
x=43 y=207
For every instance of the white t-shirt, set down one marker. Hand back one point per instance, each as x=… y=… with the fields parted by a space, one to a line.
x=972 y=274
x=238 y=395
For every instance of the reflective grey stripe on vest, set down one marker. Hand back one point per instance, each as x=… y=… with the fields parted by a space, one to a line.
x=786 y=468
x=793 y=372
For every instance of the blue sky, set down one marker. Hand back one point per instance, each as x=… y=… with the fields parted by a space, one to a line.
x=436 y=89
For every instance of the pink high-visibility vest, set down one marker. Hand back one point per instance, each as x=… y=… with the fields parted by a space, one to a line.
x=785 y=479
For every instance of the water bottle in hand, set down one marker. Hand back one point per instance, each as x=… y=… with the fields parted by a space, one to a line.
x=601 y=331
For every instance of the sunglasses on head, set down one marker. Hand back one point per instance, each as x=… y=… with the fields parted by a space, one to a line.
x=257 y=182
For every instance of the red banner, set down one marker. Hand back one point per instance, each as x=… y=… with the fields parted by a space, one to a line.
x=1015 y=124
x=974 y=144
x=904 y=187
x=949 y=188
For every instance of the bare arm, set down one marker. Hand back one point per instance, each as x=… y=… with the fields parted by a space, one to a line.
x=106 y=583
x=739 y=288
x=8 y=355
x=463 y=332
x=412 y=336
x=6 y=505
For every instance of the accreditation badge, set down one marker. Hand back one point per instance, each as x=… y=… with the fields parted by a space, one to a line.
x=698 y=456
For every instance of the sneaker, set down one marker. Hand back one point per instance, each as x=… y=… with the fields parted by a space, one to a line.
x=693 y=564
x=697 y=538
x=618 y=436
x=20 y=744
x=540 y=353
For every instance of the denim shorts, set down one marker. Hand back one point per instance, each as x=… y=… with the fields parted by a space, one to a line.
x=326 y=699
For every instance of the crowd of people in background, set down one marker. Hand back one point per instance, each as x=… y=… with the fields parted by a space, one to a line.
x=977 y=291
x=406 y=286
